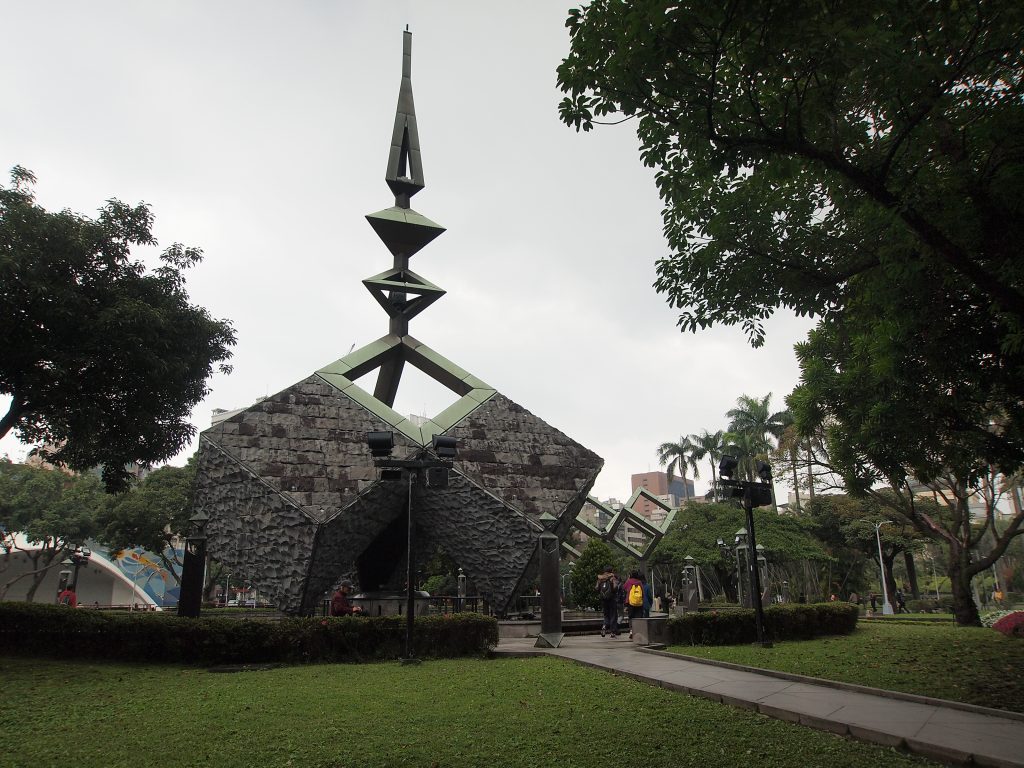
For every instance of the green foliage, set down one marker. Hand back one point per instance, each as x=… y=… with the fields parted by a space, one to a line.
x=698 y=527
x=781 y=622
x=47 y=630
x=856 y=162
x=801 y=145
x=54 y=510
x=103 y=361
x=153 y=514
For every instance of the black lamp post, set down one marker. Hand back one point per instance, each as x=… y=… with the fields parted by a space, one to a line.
x=431 y=467
x=193 y=566
x=741 y=546
x=78 y=558
x=754 y=494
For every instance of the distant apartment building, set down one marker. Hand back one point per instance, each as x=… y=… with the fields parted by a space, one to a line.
x=657 y=484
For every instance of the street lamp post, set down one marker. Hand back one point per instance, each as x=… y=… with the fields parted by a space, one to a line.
x=726 y=553
x=461 y=588
x=886 y=605
x=762 y=566
x=79 y=558
x=429 y=467
x=754 y=494
x=193 y=565
x=692 y=565
x=741 y=544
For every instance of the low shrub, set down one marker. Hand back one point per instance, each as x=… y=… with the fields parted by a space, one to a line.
x=49 y=630
x=781 y=622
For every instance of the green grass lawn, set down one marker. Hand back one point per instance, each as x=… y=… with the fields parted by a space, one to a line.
x=975 y=665
x=506 y=712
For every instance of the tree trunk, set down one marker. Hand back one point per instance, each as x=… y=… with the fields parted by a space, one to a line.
x=796 y=485
x=908 y=559
x=890 y=580
x=965 y=611
x=47 y=557
x=810 y=472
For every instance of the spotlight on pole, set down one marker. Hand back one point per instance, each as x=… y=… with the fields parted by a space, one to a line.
x=727 y=467
x=381 y=444
x=445 y=447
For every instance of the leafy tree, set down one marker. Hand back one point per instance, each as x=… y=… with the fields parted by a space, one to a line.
x=154 y=515
x=800 y=145
x=51 y=509
x=103 y=361
x=846 y=525
x=678 y=457
x=928 y=397
x=696 y=530
x=859 y=162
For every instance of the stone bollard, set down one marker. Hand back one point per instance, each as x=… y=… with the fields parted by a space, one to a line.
x=650 y=631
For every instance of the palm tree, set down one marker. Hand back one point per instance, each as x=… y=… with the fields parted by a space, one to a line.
x=710 y=445
x=754 y=417
x=678 y=457
x=789 y=449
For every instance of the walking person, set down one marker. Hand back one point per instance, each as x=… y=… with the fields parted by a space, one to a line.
x=634 y=592
x=901 y=601
x=608 y=590
x=648 y=596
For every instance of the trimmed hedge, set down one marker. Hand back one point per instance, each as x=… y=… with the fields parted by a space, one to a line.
x=49 y=630
x=781 y=622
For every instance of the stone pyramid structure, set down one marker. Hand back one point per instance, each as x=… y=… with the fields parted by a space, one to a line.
x=294 y=499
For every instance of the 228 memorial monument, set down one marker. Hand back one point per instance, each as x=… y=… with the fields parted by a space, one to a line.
x=290 y=487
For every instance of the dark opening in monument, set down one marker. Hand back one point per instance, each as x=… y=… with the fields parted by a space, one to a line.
x=381 y=565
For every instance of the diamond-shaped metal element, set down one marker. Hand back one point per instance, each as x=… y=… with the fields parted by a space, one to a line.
x=628 y=515
x=407 y=350
x=403 y=230
x=391 y=290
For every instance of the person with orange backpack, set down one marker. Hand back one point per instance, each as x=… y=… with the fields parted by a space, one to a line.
x=633 y=590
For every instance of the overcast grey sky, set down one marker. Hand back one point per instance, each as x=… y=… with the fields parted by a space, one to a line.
x=259 y=132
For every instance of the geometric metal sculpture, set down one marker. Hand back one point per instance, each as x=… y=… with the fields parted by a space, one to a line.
x=628 y=515
x=295 y=502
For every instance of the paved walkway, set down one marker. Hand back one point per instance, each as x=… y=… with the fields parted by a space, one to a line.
x=944 y=731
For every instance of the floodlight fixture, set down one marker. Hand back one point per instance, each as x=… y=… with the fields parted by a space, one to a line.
x=727 y=467
x=381 y=443
x=444 y=446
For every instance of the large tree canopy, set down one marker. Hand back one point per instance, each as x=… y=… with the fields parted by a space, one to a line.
x=51 y=509
x=799 y=145
x=103 y=361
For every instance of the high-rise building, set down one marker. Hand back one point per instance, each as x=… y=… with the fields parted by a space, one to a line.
x=657 y=484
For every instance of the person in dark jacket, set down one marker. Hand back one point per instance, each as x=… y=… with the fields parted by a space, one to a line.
x=340 y=605
x=607 y=587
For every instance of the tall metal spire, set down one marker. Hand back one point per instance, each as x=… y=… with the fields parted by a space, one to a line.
x=401 y=292
x=405 y=167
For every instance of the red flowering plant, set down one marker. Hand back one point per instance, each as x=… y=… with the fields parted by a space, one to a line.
x=1011 y=625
